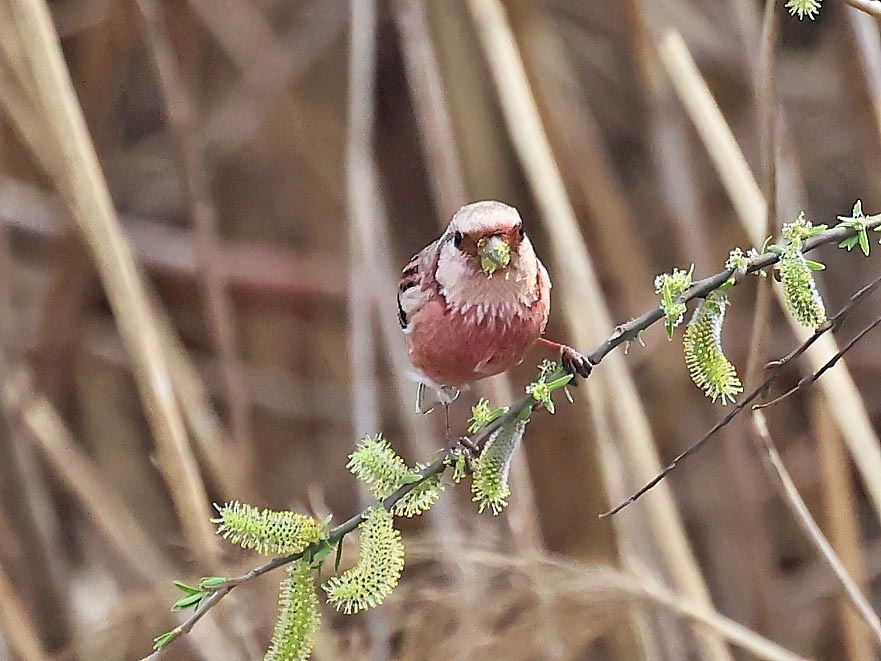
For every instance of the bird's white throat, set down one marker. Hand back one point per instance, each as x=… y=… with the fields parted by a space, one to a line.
x=509 y=291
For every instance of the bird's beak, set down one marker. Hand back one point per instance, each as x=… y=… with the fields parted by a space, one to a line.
x=494 y=253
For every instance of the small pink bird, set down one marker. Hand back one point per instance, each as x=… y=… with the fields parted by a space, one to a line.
x=472 y=303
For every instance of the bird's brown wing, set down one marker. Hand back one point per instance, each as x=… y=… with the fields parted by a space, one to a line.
x=409 y=298
x=418 y=281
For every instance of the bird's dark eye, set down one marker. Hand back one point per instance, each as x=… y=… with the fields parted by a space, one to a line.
x=521 y=231
x=457 y=239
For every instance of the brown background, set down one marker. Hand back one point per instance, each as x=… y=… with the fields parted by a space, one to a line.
x=287 y=318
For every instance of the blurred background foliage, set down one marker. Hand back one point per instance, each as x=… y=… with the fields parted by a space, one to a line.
x=224 y=129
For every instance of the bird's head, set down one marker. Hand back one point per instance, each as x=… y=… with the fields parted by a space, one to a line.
x=489 y=234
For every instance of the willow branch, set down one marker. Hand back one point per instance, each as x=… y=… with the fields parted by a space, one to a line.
x=525 y=405
x=776 y=367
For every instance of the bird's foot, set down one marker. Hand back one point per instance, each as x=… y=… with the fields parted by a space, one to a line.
x=467 y=444
x=575 y=362
x=572 y=361
x=469 y=450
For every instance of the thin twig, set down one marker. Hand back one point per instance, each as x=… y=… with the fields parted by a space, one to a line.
x=776 y=366
x=807 y=523
x=690 y=450
x=527 y=404
x=808 y=380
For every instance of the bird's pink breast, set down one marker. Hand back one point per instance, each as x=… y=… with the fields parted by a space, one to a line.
x=454 y=348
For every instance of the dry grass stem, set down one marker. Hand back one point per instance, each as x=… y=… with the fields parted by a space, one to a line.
x=183 y=121
x=79 y=178
x=429 y=100
x=203 y=211
x=807 y=523
x=841 y=521
x=371 y=227
x=582 y=297
x=871 y=7
x=84 y=480
x=601 y=593
x=16 y=622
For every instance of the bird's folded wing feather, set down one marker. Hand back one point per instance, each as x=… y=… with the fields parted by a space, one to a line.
x=412 y=287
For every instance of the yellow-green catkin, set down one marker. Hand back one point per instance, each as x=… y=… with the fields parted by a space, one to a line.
x=800 y=290
x=383 y=471
x=299 y=616
x=266 y=531
x=490 y=481
x=707 y=365
x=379 y=567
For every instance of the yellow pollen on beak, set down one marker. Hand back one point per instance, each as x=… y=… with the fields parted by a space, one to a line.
x=494 y=253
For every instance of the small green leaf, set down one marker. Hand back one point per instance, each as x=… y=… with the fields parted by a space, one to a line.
x=777 y=250
x=163 y=639
x=316 y=557
x=560 y=382
x=815 y=266
x=864 y=241
x=849 y=242
x=211 y=582
x=189 y=601
x=857 y=209
x=189 y=589
x=541 y=390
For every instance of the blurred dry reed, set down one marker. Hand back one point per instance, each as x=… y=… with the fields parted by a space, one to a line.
x=217 y=321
